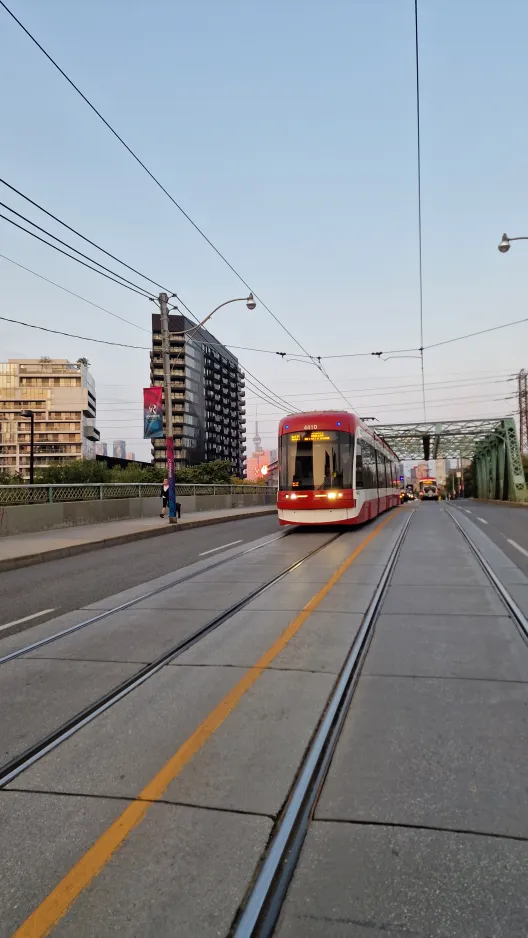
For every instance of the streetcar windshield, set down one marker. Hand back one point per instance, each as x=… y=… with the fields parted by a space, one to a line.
x=316 y=459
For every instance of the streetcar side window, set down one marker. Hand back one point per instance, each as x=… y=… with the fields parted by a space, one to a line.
x=369 y=466
x=359 y=464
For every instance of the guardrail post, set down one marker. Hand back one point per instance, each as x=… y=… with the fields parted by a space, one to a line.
x=100 y=491
x=50 y=494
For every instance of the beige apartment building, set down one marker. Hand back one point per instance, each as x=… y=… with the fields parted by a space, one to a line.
x=61 y=395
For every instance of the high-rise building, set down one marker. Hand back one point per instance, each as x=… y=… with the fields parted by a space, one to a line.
x=119 y=449
x=61 y=395
x=101 y=449
x=440 y=470
x=207 y=386
x=422 y=471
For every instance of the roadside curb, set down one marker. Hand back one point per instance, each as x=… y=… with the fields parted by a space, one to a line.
x=29 y=560
x=498 y=501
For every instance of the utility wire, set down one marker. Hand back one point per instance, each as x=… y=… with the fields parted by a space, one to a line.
x=419 y=166
x=79 y=261
x=471 y=335
x=79 y=235
x=65 y=244
x=165 y=191
x=78 y=295
x=70 y=335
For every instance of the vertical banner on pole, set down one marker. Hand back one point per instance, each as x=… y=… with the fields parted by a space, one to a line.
x=171 y=478
x=153 y=413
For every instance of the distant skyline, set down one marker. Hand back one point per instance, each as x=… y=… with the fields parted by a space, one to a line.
x=288 y=133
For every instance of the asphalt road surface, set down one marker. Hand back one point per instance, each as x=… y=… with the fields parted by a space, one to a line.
x=506 y=525
x=58 y=586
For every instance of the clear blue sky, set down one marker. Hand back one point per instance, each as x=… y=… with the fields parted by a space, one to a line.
x=287 y=130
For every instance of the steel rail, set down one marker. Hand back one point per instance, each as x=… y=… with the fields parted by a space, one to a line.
x=259 y=913
x=133 y=602
x=19 y=763
x=518 y=616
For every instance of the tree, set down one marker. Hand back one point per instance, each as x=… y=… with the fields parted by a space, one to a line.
x=206 y=473
x=83 y=361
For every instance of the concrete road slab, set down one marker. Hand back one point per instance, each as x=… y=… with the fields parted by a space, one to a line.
x=452 y=600
x=320 y=645
x=123 y=749
x=43 y=836
x=373 y=556
x=512 y=576
x=520 y=595
x=17 y=640
x=198 y=595
x=250 y=762
x=364 y=574
x=253 y=575
x=182 y=871
x=436 y=753
x=484 y=647
x=240 y=641
x=447 y=571
x=139 y=635
x=357 y=881
x=348 y=597
x=37 y=696
x=288 y=596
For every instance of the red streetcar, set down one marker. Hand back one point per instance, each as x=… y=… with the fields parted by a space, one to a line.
x=333 y=469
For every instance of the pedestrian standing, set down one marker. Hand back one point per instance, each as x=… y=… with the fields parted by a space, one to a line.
x=164 y=494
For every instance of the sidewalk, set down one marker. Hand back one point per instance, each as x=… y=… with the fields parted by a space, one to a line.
x=23 y=550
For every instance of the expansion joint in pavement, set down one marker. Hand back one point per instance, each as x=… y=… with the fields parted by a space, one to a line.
x=393 y=825
x=447 y=677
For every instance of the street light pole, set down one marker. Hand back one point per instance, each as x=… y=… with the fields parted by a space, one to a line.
x=167 y=394
x=31 y=415
x=163 y=301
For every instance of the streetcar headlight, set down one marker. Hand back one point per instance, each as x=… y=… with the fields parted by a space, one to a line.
x=293 y=495
x=332 y=495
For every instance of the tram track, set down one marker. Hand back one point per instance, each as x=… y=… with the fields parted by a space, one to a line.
x=22 y=761
x=259 y=913
x=518 y=616
x=79 y=626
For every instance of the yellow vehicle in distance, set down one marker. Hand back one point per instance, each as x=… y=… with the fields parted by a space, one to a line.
x=428 y=490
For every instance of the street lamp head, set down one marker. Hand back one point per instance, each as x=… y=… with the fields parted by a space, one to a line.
x=26 y=413
x=505 y=244
x=251 y=302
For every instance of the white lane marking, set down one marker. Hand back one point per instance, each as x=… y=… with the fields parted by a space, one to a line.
x=468 y=512
x=517 y=546
x=222 y=547
x=482 y=519
x=35 y=615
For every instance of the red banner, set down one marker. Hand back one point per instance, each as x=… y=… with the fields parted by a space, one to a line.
x=152 y=413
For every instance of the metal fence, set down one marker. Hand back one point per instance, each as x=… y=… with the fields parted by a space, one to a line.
x=39 y=494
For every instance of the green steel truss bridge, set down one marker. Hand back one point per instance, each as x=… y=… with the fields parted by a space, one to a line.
x=493 y=442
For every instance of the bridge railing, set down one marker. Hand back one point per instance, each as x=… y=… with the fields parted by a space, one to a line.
x=40 y=494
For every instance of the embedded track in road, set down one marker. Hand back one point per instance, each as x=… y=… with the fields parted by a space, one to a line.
x=22 y=761
x=258 y=914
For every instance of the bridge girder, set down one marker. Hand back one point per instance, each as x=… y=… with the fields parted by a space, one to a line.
x=492 y=442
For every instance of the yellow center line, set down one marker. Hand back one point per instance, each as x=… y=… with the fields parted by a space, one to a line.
x=62 y=897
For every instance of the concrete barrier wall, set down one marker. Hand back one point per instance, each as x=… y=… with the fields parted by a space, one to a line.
x=28 y=519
